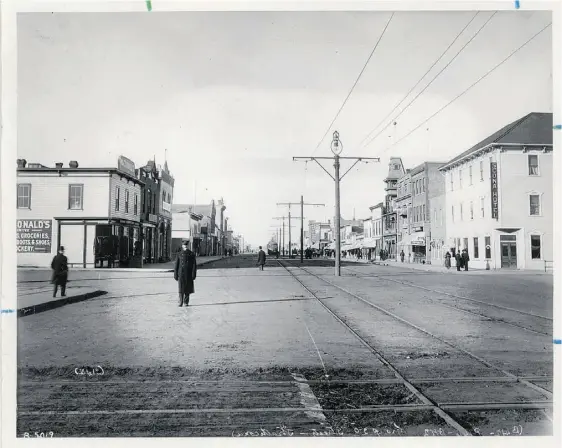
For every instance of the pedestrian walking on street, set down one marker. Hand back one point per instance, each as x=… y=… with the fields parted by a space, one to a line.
x=59 y=265
x=465 y=259
x=448 y=260
x=185 y=273
x=458 y=259
x=261 y=259
x=402 y=256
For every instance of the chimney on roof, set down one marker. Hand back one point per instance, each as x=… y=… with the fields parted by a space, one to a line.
x=73 y=164
x=58 y=165
x=22 y=163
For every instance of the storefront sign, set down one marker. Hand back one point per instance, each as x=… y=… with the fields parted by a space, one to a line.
x=494 y=188
x=166 y=206
x=34 y=235
x=126 y=165
x=152 y=218
x=418 y=242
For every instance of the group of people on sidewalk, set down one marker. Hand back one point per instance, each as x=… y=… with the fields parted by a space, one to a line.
x=461 y=259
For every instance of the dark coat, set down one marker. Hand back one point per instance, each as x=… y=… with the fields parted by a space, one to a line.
x=59 y=265
x=261 y=257
x=185 y=272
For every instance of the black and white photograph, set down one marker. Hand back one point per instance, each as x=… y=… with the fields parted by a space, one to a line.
x=280 y=222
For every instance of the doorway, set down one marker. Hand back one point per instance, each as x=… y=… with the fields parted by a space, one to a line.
x=508 y=245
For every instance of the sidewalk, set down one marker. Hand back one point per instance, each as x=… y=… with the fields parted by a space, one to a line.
x=152 y=267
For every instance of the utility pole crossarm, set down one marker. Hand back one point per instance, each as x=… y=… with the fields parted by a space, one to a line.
x=336 y=148
x=315 y=159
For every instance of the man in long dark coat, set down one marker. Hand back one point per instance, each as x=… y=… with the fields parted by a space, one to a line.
x=261 y=258
x=185 y=273
x=59 y=265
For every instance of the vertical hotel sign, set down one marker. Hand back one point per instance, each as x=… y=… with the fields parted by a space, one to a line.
x=494 y=188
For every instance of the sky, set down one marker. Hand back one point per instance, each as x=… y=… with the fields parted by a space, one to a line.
x=233 y=96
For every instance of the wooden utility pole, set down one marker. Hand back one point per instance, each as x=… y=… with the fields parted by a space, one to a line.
x=336 y=148
x=302 y=204
x=283 y=218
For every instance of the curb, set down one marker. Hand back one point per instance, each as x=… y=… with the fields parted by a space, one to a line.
x=37 y=268
x=40 y=308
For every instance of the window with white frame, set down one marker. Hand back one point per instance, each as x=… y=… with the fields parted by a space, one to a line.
x=117 y=194
x=533 y=162
x=534 y=205
x=451 y=180
x=460 y=178
x=75 y=196
x=535 y=247
x=471 y=210
x=461 y=211
x=481 y=170
x=126 y=201
x=24 y=195
x=470 y=175
x=482 y=207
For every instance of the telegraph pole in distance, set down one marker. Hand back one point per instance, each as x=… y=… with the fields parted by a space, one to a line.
x=283 y=218
x=336 y=148
x=302 y=204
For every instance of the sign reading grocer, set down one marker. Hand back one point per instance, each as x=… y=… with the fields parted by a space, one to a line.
x=34 y=235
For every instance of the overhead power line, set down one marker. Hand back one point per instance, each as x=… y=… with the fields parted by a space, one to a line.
x=420 y=80
x=470 y=87
x=434 y=78
x=354 y=84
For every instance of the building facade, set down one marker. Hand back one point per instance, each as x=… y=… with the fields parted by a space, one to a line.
x=390 y=227
x=421 y=183
x=164 y=213
x=403 y=204
x=148 y=174
x=94 y=213
x=499 y=197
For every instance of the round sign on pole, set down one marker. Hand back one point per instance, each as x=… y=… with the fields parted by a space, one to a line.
x=336 y=144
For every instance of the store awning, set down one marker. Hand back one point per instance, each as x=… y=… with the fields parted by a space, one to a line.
x=418 y=239
x=369 y=243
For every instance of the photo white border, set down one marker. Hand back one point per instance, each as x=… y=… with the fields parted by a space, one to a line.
x=8 y=270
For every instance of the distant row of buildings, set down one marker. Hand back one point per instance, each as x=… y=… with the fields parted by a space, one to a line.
x=117 y=216
x=494 y=199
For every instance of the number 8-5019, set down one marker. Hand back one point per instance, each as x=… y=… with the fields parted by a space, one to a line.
x=28 y=435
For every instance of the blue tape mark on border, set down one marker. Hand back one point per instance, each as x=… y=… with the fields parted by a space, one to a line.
x=8 y=311
x=517 y=4
x=557 y=126
x=149 y=5
x=557 y=341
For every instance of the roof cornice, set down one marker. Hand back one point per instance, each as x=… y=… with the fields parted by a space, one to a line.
x=491 y=147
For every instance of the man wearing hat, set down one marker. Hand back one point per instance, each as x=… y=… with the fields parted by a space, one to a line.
x=185 y=273
x=59 y=265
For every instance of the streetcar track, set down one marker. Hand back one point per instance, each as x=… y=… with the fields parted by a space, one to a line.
x=249 y=383
x=372 y=408
x=488 y=318
x=413 y=285
x=450 y=344
x=423 y=398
